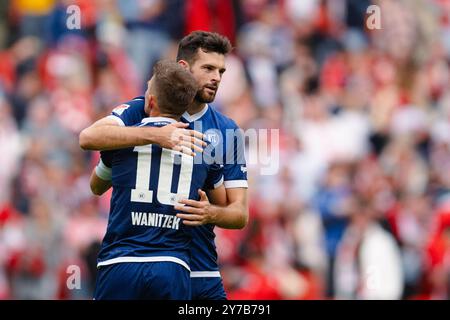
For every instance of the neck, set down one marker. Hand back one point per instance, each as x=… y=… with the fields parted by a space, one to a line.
x=155 y=113
x=196 y=107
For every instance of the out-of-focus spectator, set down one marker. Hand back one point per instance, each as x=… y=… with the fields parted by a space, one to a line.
x=33 y=16
x=368 y=262
x=11 y=149
x=147 y=34
x=211 y=14
x=36 y=269
x=84 y=231
x=438 y=256
x=332 y=203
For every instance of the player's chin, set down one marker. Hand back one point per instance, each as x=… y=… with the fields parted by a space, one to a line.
x=206 y=97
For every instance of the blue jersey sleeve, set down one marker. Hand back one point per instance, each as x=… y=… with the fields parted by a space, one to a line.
x=235 y=166
x=214 y=178
x=129 y=113
x=104 y=166
x=107 y=157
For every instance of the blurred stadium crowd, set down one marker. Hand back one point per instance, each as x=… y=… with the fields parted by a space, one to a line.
x=360 y=207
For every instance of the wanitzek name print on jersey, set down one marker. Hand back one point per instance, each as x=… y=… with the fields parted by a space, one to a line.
x=155 y=220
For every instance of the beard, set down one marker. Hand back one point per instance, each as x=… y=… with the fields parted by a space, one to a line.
x=204 y=96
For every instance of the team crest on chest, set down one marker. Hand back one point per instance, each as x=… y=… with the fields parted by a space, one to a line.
x=212 y=136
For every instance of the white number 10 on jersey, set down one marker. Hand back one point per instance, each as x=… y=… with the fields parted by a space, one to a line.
x=142 y=192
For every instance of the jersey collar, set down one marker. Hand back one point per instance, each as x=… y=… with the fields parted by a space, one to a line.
x=158 y=119
x=195 y=116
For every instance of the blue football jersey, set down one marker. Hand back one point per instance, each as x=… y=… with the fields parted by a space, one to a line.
x=226 y=140
x=147 y=182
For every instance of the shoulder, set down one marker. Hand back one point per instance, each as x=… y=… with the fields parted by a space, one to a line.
x=130 y=112
x=137 y=102
x=224 y=122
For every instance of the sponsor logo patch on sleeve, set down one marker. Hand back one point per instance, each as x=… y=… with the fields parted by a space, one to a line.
x=120 y=109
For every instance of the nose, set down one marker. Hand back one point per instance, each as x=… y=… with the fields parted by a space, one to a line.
x=216 y=76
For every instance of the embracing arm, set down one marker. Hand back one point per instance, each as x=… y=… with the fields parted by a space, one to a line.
x=98 y=185
x=101 y=175
x=235 y=214
x=107 y=134
x=232 y=216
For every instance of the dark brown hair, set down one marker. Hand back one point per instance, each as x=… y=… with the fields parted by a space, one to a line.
x=174 y=87
x=207 y=41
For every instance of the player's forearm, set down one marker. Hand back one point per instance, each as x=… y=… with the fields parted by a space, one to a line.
x=99 y=186
x=233 y=216
x=115 y=137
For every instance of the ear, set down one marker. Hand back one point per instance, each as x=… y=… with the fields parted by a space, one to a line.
x=151 y=102
x=184 y=64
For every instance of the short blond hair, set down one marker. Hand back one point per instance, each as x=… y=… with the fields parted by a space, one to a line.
x=174 y=87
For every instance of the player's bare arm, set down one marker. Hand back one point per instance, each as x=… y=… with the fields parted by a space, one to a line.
x=101 y=178
x=233 y=215
x=98 y=185
x=107 y=134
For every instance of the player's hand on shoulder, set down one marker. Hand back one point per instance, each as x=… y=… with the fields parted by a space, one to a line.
x=175 y=136
x=196 y=213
